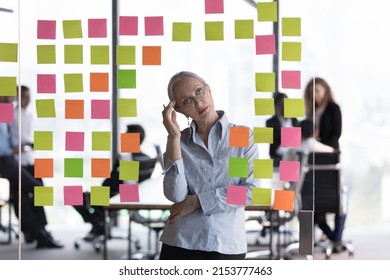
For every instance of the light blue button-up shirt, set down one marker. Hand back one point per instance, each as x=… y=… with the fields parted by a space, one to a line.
x=5 y=141
x=216 y=226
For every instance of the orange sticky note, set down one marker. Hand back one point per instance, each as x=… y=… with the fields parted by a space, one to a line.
x=98 y=82
x=74 y=109
x=43 y=168
x=284 y=200
x=239 y=137
x=101 y=167
x=130 y=142
x=151 y=55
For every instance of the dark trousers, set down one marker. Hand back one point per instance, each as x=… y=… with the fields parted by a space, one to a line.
x=337 y=233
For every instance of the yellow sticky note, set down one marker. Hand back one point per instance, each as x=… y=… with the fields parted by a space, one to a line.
x=261 y=196
x=45 y=108
x=263 y=168
x=264 y=106
x=46 y=54
x=129 y=170
x=267 y=11
x=73 y=54
x=101 y=141
x=291 y=51
x=294 y=108
x=43 y=140
x=291 y=26
x=213 y=30
x=243 y=29
x=181 y=31
x=263 y=135
x=127 y=107
x=8 y=52
x=125 y=55
x=100 y=196
x=43 y=196
x=265 y=82
x=7 y=86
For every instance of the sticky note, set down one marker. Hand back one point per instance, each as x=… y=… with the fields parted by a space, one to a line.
x=291 y=26
x=7 y=86
x=289 y=171
x=46 y=29
x=265 y=82
x=128 y=193
x=7 y=113
x=101 y=140
x=127 y=107
x=154 y=26
x=45 y=108
x=151 y=55
x=43 y=140
x=213 y=30
x=236 y=195
x=264 y=106
x=74 y=109
x=291 y=79
x=98 y=82
x=125 y=55
x=8 y=52
x=263 y=168
x=46 y=54
x=267 y=11
x=100 y=168
x=73 y=54
x=72 y=29
x=243 y=29
x=128 y=170
x=128 y=25
x=73 y=195
x=265 y=44
x=291 y=51
x=127 y=79
x=73 y=167
x=43 y=196
x=74 y=141
x=239 y=136
x=100 y=196
x=284 y=200
x=238 y=167
x=214 y=6
x=130 y=142
x=181 y=31
x=73 y=82
x=46 y=83
x=43 y=167
x=294 y=108
x=97 y=28
x=261 y=196
x=290 y=137
x=100 y=109
x=100 y=55
x=263 y=135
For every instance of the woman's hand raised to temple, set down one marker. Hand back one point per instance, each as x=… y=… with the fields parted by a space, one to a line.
x=170 y=122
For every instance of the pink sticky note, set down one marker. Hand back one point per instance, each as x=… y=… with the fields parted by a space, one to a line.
x=213 y=6
x=46 y=83
x=100 y=109
x=291 y=79
x=289 y=171
x=128 y=25
x=74 y=141
x=46 y=29
x=290 y=137
x=97 y=28
x=128 y=193
x=236 y=195
x=73 y=195
x=154 y=26
x=265 y=44
x=7 y=113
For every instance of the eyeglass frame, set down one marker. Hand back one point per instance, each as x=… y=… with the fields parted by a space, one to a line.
x=194 y=98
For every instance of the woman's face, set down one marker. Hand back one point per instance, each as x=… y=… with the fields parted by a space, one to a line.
x=320 y=94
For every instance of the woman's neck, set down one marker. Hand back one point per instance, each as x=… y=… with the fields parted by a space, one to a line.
x=204 y=126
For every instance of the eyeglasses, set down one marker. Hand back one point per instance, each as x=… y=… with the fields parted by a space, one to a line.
x=200 y=94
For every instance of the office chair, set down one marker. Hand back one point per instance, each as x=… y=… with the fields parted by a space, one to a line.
x=5 y=200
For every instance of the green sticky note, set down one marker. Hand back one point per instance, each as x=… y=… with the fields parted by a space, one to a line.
x=125 y=55
x=46 y=54
x=263 y=168
x=73 y=54
x=8 y=52
x=129 y=170
x=73 y=82
x=261 y=196
x=100 y=196
x=291 y=51
x=294 y=108
x=291 y=26
x=213 y=30
x=101 y=141
x=127 y=78
x=43 y=196
x=100 y=55
x=267 y=11
x=73 y=167
x=264 y=106
x=243 y=29
x=127 y=107
x=43 y=140
x=7 y=86
x=181 y=31
x=265 y=82
x=45 y=108
x=72 y=29
x=238 y=167
x=263 y=135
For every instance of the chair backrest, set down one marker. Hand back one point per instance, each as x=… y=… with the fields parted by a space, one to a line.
x=146 y=168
